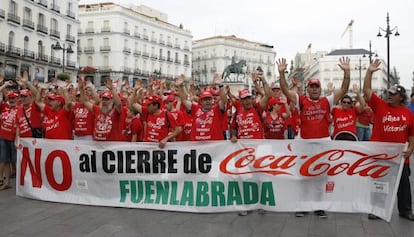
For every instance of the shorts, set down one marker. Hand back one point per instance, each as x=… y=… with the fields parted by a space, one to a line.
x=7 y=151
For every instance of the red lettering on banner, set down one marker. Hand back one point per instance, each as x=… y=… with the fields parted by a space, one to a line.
x=244 y=161
x=35 y=169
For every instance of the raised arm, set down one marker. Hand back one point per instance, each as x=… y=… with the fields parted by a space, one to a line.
x=344 y=65
x=290 y=94
x=368 y=77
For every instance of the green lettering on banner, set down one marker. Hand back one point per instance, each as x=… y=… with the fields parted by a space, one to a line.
x=149 y=192
x=123 y=189
x=234 y=194
x=187 y=196
x=251 y=193
x=268 y=195
x=173 y=200
x=137 y=191
x=202 y=199
x=217 y=194
x=162 y=192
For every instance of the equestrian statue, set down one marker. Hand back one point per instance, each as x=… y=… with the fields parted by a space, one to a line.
x=236 y=68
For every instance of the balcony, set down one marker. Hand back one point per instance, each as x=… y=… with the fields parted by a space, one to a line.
x=89 y=30
x=105 y=69
x=42 y=3
x=126 y=50
x=28 y=54
x=70 y=64
x=127 y=31
x=169 y=44
x=137 y=35
x=13 y=18
x=186 y=48
x=55 y=33
x=127 y=69
x=2 y=14
x=186 y=63
x=42 y=29
x=137 y=52
x=70 y=38
x=89 y=49
x=153 y=40
x=145 y=37
x=162 y=58
x=2 y=47
x=70 y=14
x=106 y=29
x=79 y=49
x=105 y=48
x=162 y=42
x=28 y=24
x=213 y=69
x=177 y=61
x=137 y=71
x=177 y=46
x=145 y=54
x=54 y=60
x=13 y=51
x=42 y=57
x=154 y=56
x=54 y=7
x=169 y=60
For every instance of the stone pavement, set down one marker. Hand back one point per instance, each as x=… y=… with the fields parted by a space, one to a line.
x=26 y=217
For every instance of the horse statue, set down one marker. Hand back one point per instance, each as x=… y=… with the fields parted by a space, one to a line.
x=236 y=68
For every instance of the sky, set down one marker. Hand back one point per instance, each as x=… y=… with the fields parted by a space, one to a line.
x=290 y=26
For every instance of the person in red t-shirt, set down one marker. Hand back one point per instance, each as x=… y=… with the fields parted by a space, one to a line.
x=158 y=122
x=246 y=122
x=207 y=116
x=170 y=105
x=8 y=121
x=132 y=130
x=344 y=117
x=274 y=119
x=83 y=120
x=315 y=110
x=107 y=114
x=393 y=122
x=57 y=116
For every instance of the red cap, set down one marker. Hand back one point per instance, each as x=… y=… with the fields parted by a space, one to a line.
x=25 y=92
x=244 y=93
x=153 y=99
x=206 y=94
x=274 y=101
x=314 y=81
x=56 y=97
x=12 y=94
x=106 y=94
x=169 y=98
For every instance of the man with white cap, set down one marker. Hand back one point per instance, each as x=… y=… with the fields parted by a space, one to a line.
x=393 y=122
x=315 y=110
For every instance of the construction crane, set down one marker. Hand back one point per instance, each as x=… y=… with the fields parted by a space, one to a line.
x=349 y=30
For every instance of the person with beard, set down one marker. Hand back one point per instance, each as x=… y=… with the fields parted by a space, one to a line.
x=314 y=109
x=107 y=113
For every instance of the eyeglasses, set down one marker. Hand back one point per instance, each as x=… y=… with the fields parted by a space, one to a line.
x=346 y=102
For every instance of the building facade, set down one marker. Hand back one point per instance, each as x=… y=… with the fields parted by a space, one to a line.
x=131 y=43
x=213 y=55
x=30 y=29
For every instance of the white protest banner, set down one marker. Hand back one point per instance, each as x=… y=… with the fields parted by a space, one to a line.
x=217 y=176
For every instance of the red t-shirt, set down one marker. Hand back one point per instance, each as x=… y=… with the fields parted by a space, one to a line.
x=314 y=117
x=344 y=120
x=207 y=125
x=57 y=124
x=274 y=128
x=158 y=126
x=391 y=124
x=247 y=122
x=187 y=121
x=82 y=120
x=34 y=115
x=132 y=125
x=106 y=125
x=8 y=122
x=365 y=117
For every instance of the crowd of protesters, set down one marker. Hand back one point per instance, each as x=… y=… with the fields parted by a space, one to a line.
x=164 y=112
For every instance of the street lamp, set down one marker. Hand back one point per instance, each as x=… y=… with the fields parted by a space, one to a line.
x=388 y=32
x=64 y=51
x=360 y=73
x=370 y=53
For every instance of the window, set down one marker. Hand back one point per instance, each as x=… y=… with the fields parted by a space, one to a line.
x=27 y=15
x=90 y=61
x=40 y=48
x=106 y=41
x=53 y=24
x=11 y=38
x=26 y=43
x=68 y=29
x=41 y=19
x=106 y=61
x=106 y=23
x=90 y=44
x=13 y=7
